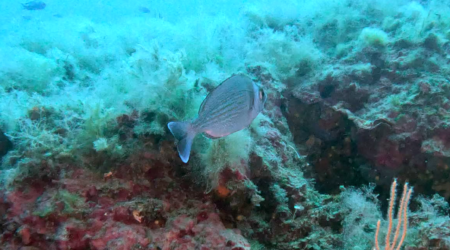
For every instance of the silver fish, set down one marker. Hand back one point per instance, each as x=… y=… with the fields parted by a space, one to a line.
x=230 y=107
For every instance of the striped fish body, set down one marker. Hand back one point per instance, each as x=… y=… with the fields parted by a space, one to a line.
x=230 y=107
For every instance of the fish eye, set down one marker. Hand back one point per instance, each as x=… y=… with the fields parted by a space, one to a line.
x=262 y=95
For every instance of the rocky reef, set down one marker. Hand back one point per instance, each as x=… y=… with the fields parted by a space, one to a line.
x=357 y=95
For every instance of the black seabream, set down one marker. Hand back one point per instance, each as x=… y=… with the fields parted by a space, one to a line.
x=230 y=107
x=34 y=5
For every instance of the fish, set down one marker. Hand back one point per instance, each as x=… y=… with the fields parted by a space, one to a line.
x=228 y=108
x=34 y=5
x=144 y=9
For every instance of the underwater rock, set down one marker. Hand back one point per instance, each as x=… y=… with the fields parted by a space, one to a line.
x=355 y=94
x=5 y=144
x=393 y=116
x=120 y=212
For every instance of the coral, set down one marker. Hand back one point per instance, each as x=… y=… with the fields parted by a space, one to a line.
x=402 y=219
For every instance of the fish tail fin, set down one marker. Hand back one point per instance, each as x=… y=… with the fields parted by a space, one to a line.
x=185 y=134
